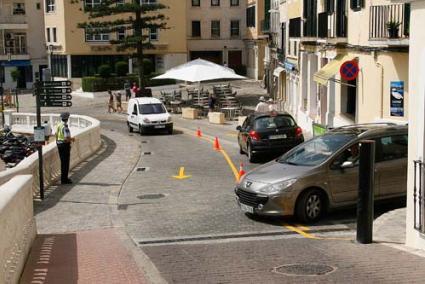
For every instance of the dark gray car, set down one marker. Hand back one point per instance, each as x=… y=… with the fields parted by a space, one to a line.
x=322 y=173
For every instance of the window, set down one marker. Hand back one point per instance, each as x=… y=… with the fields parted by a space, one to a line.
x=234 y=2
x=38 y=6
x=148 y=2
x=295 y=27
x=151 y=108
x=54 y=34
x=91 y=35
x=153 y=34
x=391 y=148
x=234 y=28
x=196 y=29
x=121 y=34
x=48 y=34
x=18 y=9
x=329 y=6
x=50 y=6
x=356 y=5
x=196 y=3
x=215 y=28
x=120 y=2
x=135 y=109
x=92 y=3
x=250 y=17
x=215 y=2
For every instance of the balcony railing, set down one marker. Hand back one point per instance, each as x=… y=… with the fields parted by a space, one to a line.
x=380 y=16
x=17 y=50
x=16 y=19
x=419 y=197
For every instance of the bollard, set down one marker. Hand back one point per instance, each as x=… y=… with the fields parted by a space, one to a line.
x=366 y=191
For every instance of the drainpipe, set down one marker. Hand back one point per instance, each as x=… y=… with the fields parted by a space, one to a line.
x=378 y=64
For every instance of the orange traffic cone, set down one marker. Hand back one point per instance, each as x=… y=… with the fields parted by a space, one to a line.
x=241 y=171
x=198 y=132
x=216 y=144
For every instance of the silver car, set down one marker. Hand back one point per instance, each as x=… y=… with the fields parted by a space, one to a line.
x=322 y=173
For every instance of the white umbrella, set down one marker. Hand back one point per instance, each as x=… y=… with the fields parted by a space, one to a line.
x=199 y=70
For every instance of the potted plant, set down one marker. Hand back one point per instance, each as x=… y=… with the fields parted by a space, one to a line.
x=393 y=27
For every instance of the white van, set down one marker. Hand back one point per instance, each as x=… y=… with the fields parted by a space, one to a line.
x=146 y=114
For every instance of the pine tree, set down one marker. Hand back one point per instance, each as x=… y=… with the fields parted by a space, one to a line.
x=135 y=18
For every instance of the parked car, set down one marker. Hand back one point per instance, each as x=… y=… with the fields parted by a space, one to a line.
x=268 y=133
x=148 y=114
x=322 y=173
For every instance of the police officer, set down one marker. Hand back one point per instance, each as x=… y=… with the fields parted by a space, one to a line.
x=63 y=141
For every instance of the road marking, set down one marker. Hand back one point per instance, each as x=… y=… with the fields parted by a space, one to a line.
x=300 y=229
x=231 y=164
x=181 y=174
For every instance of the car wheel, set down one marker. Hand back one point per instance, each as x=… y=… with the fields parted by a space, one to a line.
x=310 y=206
x=170 y=131
x=130 y=129
x=251 y=156
x=141 y=131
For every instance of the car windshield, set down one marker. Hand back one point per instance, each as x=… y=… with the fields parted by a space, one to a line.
x=151 y=108
x=317 y=150
x=271 y=122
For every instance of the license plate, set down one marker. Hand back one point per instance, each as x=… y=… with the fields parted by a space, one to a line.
x=159 y=126
x=281 y=136
x=246 y=208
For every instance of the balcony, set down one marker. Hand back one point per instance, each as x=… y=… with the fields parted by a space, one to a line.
x=396 y=15
x=8 y=21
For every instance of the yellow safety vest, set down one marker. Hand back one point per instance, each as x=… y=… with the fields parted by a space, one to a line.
x=60 y=136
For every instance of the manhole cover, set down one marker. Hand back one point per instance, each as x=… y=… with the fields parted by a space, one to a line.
x=304 y=269
x=151 y=196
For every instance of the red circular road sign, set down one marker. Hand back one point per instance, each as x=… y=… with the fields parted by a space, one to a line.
x=349 y=70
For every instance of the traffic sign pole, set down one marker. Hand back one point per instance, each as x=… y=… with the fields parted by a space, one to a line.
x=39 y=147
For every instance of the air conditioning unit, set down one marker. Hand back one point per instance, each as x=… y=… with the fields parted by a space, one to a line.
x=9 y=36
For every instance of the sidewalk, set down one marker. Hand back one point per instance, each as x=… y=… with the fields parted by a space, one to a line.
x=80 y=236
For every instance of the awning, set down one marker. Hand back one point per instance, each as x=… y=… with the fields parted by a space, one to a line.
x=329 y=70
x=277 y=71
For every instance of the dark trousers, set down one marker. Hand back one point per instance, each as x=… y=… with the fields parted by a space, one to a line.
x=64 y=154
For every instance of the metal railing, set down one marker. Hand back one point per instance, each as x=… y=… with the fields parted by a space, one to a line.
x=419 y=196
x=397 y=15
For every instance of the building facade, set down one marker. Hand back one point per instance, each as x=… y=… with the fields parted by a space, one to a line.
x=75 y=53
x=22 y=45
x=214 y=31
x=255 y=39
x=415 y=210
x=332 y=32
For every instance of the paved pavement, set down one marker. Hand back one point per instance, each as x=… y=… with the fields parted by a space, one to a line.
x=98 y=230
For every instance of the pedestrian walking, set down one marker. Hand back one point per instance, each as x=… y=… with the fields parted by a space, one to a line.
x=211 y=102
x=272 y=105
x=63 y=142
x=118 y=97
x=262 y=106
x=127 y=88
x=111 y=102
x=135 y=89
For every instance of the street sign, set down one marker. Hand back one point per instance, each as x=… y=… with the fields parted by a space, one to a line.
x=55 y=97
x=52 y=84
x=349 y=70
x=55 y=103
x=39 y=134
x=56 y=90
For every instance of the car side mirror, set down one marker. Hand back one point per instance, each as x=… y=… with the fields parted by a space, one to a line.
x=239 y=128
x=134 y=113
x=347 y=165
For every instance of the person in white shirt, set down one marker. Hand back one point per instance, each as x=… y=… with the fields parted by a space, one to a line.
x=272 y=105
x=262 y=106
